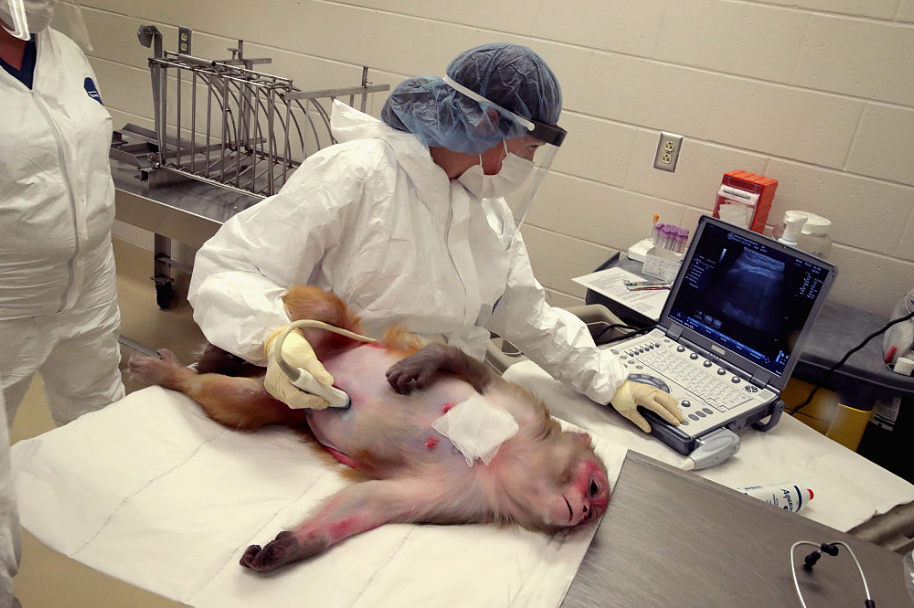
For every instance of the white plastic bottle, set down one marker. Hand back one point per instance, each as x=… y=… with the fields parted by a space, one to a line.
x=783 y=495
x=793 y=225
x=814 y=237
x=807 y=232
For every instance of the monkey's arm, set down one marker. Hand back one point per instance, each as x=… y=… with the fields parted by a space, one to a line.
x=419 y=370
x=358 y=508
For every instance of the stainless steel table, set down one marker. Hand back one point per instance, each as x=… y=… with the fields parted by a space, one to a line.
x=184 y=210
x=670 y=538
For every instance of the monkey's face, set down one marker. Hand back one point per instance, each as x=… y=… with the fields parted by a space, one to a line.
x=586 y=495
x=579 y=490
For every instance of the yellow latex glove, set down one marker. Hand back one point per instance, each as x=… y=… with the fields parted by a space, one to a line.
x=631 y=394
x=297 y=353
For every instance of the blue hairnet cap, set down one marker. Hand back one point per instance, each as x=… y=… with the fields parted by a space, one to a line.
x=512 y=76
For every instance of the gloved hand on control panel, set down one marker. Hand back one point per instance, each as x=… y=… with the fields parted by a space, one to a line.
x=631 y=394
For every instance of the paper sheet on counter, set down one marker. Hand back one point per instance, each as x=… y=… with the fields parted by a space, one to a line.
x=611 y=283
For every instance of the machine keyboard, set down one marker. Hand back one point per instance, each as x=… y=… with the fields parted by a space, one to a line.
x=717 y=390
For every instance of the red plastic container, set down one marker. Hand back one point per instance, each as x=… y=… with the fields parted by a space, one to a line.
x=759 y=191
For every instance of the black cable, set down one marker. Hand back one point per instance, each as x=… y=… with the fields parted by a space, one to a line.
x=812 y=558
x=844 y=359
x=635 y=332
x=609 y=326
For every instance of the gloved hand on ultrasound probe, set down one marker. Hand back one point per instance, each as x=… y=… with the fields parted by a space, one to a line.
x=298 y=353
x=631 y=394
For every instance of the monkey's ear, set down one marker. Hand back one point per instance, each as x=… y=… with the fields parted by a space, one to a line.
x=583 y=438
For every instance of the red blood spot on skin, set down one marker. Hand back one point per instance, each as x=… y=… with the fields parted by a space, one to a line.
x=431 y=443
x=447 y=406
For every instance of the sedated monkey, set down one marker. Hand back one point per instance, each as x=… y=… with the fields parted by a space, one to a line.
x=542 y=478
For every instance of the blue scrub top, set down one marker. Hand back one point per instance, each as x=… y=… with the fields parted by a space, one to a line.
x=27 y=73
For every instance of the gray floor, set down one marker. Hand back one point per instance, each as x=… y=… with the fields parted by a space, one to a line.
x=47 y=579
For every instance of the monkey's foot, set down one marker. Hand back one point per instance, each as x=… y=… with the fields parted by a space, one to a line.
x=284 y=549
x=163 y=371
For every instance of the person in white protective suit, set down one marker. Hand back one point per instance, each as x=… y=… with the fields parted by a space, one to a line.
x=10 y=534
x=58 y=300
x=413 y=220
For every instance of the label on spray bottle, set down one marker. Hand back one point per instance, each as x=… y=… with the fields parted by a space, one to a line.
x=783 y=496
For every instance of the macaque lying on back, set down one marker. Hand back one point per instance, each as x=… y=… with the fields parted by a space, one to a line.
x=542 y=477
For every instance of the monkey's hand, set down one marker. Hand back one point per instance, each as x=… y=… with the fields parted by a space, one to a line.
x=297 y=352
x=630 y=395
x=420 y=369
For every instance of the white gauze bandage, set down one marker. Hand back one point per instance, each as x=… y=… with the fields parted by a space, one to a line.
x=476 y=428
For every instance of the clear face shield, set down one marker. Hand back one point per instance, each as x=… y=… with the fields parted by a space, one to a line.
x=523 y=171
x=25 y=17
x=521 y=199
x=13 y=15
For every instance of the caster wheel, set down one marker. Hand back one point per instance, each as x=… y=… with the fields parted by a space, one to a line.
x=164 y=291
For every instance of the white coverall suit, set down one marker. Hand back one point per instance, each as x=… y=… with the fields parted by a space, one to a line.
x=58 y=297
x=375 y=221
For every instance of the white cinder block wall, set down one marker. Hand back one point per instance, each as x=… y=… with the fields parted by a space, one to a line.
x=818 y=94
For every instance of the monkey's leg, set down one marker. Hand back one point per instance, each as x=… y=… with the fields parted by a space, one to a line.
x=419 y=370
x=359 y=508
x=241 y=403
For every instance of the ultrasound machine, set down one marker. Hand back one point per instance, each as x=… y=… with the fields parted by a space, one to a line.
x=728 y=338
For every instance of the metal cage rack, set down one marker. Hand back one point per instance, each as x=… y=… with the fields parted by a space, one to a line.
x=226 y=136
x=225 y=124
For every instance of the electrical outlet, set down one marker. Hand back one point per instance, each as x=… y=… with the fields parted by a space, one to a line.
x=184 y=38
x=667 y=154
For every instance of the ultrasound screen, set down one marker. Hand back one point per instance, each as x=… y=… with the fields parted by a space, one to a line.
x=747 y=297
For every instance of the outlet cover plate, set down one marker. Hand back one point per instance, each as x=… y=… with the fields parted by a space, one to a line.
x=667 y=154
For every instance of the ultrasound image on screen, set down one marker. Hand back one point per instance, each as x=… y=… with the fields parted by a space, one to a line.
x=747 y=297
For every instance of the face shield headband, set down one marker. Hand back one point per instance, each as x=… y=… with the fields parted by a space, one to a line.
x=507 y=214
x=551 y=134
x=20 y=23
x=65 y=16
